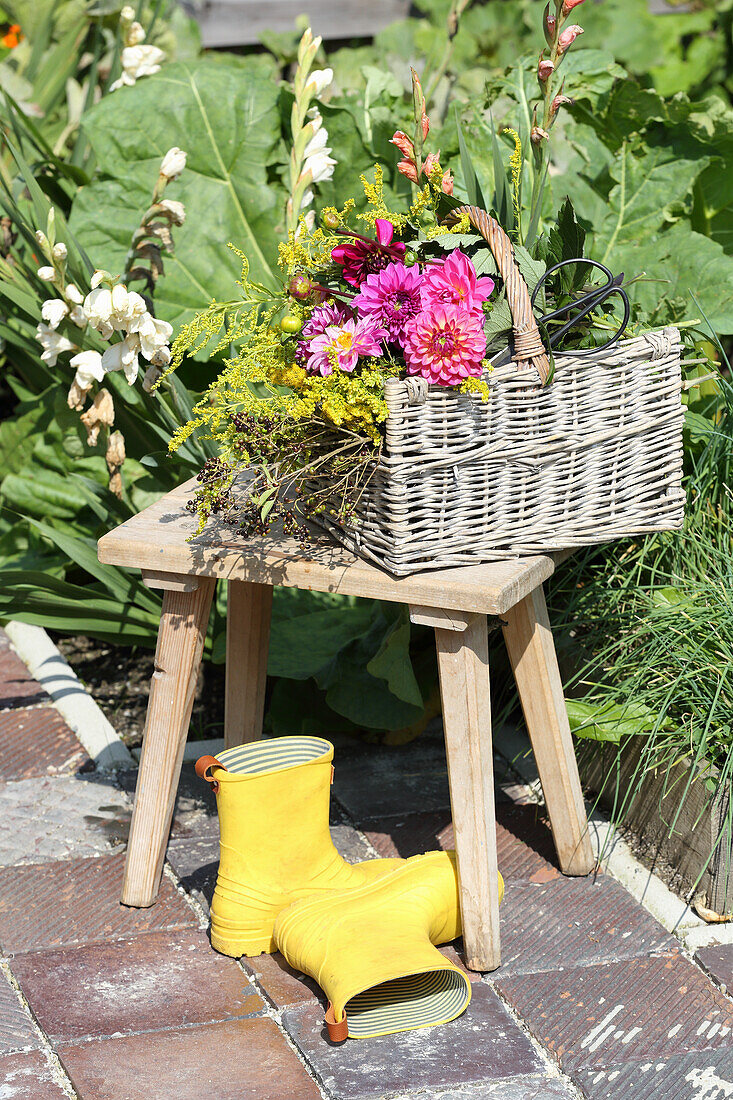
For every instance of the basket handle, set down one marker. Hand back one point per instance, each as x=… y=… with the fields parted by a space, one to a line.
x=528 y=346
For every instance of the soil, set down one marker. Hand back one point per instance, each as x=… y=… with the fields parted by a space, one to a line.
x=119 y=680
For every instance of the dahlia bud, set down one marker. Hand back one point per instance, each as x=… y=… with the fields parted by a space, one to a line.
x=538 y=135
x=300 y=287
x=549 y=24
x=568 y=5
x=331 y=219
x=545 y=69
x=567 y=38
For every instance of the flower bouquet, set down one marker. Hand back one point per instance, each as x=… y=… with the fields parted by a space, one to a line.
x=365 y=391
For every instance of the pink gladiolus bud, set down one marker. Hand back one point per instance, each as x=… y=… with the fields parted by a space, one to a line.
x=447 y=183
x=557 y=103
x=538 y=135
x=548 y=24
x=431 y=163
x=408 y=168
x=544 y=69
x=567 y=37
x=568 y=5
x=403 y=143
x=418 y=100
x=425 y=125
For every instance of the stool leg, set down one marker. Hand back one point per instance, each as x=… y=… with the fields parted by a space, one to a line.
x=249 y=607
x=177 y=658
x=532 y=654
x=463 y=662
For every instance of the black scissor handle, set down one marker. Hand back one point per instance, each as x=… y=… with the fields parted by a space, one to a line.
x=586 y=304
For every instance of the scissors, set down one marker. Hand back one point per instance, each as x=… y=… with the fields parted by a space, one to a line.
x=579 y=308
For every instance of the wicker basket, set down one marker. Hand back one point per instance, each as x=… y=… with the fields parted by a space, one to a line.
x=595 y=455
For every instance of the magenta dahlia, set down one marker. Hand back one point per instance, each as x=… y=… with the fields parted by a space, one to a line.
x=361 y=256
x=391 y=297
x=342 y=345
x=445 y=344
x=453 y=281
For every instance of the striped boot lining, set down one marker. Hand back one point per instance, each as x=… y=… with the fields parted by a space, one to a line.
x=273 y=754
x=419 y=1000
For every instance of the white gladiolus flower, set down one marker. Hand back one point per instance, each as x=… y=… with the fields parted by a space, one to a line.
x=137 y=61
x=310 y=221
x=98 y=307
x=127 y=14
x=41 y=238
x=320 y=166
x=74 y=295
x=153 y=334
x=54 y=311
x=53 y=344
x=307 y=198
x=136 y=312
x=59 y=251
x=318 y=81
x=47 y=274
x=317 y=143
x=88 y=365
x=135 y=35
x=98 y=277
x=173 y=163
x=176 y=210
x=105 y=329
x=79 y=317
x=123 y=356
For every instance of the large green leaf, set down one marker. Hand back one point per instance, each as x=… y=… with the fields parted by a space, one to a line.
x=225 y=116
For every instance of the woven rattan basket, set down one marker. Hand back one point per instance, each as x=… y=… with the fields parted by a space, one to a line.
x=593 y=456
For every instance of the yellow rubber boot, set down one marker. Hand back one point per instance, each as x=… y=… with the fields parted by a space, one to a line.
x=273 y=800
x=372 y=950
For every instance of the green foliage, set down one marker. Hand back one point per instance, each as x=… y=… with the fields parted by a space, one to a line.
x=225 y=115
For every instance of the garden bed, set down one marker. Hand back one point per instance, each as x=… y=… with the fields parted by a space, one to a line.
x=682 y=837
x=119 y=680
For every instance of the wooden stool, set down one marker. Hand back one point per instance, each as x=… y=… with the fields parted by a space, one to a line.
x=455 y=602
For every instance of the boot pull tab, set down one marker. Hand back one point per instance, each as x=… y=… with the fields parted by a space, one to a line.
x=338 y=1030
x=203 y=767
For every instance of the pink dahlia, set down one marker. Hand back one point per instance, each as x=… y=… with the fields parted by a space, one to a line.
x=342 y=345
x=361 y=255
x=391 y=298
x=453 y=281
x=322 y=316
x=445 y=344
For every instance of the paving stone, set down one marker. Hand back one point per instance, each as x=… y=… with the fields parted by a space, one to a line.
x=718 y=961
x=17 y=686
x=640 y=1010
x=523 y=839
x=702 y=1075
x=283 y=986
x=483 y=1045
x=235 y=1060
x=16 y=1028
x=77 y=901
x=52 y=819
x=573 y=922
x=146 y=983
x=38 y=742
x=519 y=1088
x=195 y=861
x=29 y=1077
x=194 y=813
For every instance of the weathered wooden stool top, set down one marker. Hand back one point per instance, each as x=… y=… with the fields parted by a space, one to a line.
x=157 y=540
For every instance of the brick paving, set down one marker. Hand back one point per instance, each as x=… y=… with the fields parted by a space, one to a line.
x=593 y=999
